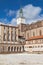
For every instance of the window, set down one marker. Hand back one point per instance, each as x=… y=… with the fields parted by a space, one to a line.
x=11 y=35
x=38 y=46
x=4 y=37
x=17 y=49
x=15 y=35
x=40 y=32
x=4 y=27
x=4 y=34
x=8 y=35
x=14 y=48
x=30 y=46
x=27 y=35
x=9 y=48
x=33 y=34
x=35 y=46
x=41 y=46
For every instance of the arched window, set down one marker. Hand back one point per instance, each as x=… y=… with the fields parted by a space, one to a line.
x=17 y=49
x=30 y=46
x=20 y=48
x=27 y=35
x=4 y=35
x=40 y=32
x=33 y=33
x=23 y=48
x=9 y=48
x=14 y=48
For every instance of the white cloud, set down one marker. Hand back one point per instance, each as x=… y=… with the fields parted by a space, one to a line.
x=10 y=13
x=13 y=21
x=31 y=13
x=4 y=20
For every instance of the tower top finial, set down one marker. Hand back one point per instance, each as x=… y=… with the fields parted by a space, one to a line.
x=21 y=12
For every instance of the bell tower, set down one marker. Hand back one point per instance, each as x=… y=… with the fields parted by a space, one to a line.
x=21 y=18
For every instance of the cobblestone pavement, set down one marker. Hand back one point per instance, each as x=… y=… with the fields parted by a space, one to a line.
x=21 y=59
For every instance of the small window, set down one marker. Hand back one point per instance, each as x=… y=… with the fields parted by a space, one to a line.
x=4 y=37
x=30 y=46
x=41 y=46
x=40 y=32
x=33 y=33
x=4 y=27
x=8 y=48
x=35 y=46
x=38 y=46
x=11 y=48
x=8 y=36
x=11 y=35
x=4 y=34
x=27 y=35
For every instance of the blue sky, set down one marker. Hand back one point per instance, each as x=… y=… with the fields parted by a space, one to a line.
x=32 y=9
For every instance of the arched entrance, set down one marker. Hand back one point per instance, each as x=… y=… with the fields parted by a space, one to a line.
x=23 y=48
x=11 y=49
x=20 y=49
x=8 y=48
x=14 y=49
x=17 y=49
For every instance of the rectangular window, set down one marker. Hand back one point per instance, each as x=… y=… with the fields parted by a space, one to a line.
x=33 y=33
x=8 y=35
x=4 y=34
x=27 y=35
x=15 y=34
x=40 y=32
x=30 y=46
x=4 y=37
x=11 y=35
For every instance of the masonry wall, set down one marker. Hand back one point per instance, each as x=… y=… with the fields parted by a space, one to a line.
x=11 y=29
x=36 y=32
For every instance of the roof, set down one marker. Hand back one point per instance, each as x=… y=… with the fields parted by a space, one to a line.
x=35 y=38
x=8 y=25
